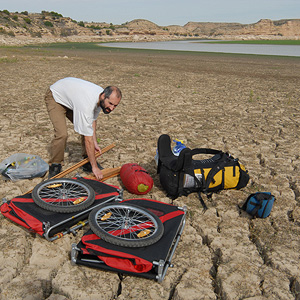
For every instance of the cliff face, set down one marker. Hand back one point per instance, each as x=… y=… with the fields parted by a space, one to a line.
x=53 y=26
x=284 y=28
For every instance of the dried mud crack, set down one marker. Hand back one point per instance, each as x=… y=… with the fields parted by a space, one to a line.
x=245 y=105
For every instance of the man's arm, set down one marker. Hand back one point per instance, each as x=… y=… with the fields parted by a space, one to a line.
x=90 y=150
x=97 y=148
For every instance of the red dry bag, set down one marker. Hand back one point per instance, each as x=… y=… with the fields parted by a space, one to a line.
x=136 y=179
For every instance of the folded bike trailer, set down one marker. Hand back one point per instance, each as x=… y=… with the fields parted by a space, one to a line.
x=125 y=246
x=54 y=224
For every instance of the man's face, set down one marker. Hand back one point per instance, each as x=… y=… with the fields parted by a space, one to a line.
x=109 y=104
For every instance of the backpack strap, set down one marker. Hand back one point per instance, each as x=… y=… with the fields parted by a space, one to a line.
x=188 y=168
x=222 y=163
x=185 y=166
x=205 y=151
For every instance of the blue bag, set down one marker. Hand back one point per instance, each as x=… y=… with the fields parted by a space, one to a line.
x=259 y=204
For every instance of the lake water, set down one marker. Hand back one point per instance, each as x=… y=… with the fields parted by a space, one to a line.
x=208 y=46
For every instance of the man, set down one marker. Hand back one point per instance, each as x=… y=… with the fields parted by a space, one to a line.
x=81 y=102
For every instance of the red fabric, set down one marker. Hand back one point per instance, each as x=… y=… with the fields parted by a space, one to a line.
x=171 y=215
x=101 y=196
x=126 y=262
x=165 y=217
x=136 y=179
x=30 y=223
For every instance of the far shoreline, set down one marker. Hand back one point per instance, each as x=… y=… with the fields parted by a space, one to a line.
x=86 y=46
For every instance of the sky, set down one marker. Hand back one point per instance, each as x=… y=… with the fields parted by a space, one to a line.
x=162 y=12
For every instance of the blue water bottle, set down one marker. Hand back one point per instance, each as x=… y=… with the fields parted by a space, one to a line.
x=178 y=147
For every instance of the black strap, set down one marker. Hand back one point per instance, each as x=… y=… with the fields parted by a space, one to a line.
x=205 y=151
x=202 y=202
x=214 y=171
x=141 y=171
x=257 y=207
x=263 y=196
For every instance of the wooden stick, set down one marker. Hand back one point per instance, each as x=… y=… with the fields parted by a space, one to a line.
x=81 y=163
x=107 y=173
x=78 y=165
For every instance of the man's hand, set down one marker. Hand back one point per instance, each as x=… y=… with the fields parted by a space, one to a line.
x=98 y=173
x=97 y=148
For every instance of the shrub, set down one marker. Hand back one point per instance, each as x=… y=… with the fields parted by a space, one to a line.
x=48 y=24
x=68 y=32
x=94 y=27
x=81 y=23
x=15 y=18
x=55 y=14
x=25 y=13
x=27 y=20
x=9 y=33
x=36 y=34
x=6 y=11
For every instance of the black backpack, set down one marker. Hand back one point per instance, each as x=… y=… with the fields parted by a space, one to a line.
x=182 y=175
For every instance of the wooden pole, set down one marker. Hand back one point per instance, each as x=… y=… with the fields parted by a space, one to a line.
x=107 y=173
x=81 y=163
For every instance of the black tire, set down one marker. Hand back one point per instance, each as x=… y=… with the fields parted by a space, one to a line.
x=63 y=195
x=126 y=225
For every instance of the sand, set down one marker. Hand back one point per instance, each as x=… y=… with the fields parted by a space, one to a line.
x=246 y=105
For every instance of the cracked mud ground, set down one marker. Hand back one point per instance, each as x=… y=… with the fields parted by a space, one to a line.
x=246 y=105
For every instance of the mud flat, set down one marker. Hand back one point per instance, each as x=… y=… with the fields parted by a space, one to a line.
x=246 y=105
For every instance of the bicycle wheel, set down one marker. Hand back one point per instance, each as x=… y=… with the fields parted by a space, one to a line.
x=126 y=225
x=63 y=195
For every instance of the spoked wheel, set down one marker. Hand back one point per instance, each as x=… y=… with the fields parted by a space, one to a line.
x=126 y=225
x=63 y=195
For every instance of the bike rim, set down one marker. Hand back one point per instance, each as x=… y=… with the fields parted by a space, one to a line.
x=63 y=193
x=126 y=223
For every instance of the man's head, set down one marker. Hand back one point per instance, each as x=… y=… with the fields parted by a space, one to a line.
x=110 y=98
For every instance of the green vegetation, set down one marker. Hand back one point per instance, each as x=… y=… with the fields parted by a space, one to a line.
x=54 y=14
x=8 y=60
x=27 y=20
x=48 y=24
x=3 y=31
x=97 y=27
x=6 y=12
x=260 y=42
x=87 y=46
x=251 y=96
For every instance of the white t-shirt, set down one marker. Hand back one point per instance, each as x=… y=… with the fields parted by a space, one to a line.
x=81 y=97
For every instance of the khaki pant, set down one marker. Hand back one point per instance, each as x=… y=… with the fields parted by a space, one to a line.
x=58 y=114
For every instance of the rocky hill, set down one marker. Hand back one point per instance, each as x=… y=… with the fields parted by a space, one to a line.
x=24 y=27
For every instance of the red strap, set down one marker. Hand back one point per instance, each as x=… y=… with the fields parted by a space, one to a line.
x=101 y=196
x=171 y=215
